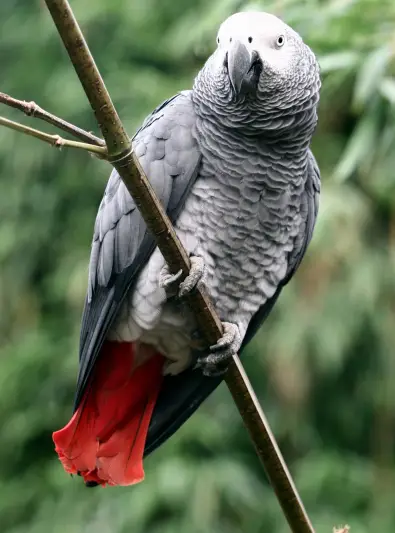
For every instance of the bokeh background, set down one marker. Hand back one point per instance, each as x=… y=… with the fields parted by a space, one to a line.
x=323 y=364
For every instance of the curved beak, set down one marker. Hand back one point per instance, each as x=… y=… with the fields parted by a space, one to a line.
x=244 y=68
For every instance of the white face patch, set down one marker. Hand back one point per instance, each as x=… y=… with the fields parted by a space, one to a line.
x=257 y=23
x=263 y=33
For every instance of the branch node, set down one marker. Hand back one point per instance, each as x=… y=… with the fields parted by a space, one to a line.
x=121 y=158
x=58 y=142
x=30 y=108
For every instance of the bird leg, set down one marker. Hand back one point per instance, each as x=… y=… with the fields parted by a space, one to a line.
x=216 y=362
x=195 y=278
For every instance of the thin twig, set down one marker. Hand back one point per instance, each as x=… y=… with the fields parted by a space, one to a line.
x=31 y=109
x=128 y=167
x=54 y=140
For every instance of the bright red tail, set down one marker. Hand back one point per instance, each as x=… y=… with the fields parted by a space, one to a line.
x=105 y=439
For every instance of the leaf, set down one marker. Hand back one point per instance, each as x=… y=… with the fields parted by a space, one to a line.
x=362 y=140
x=370 y=75
x=338 y=61
x=387 y=89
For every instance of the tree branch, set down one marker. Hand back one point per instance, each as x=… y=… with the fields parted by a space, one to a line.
x=54 y=140
x=31 y=109
x=122 y=158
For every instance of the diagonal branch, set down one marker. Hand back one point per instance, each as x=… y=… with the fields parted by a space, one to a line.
x=54 y=140
x=122 y=158
x=31 y=109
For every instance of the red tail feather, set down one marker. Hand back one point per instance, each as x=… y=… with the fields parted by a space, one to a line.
x=105 y=439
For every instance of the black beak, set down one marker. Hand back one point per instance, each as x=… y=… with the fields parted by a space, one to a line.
x=244 y=68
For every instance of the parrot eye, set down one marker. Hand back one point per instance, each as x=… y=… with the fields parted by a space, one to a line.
x=217 y=40
x=280 y=41
x=250 y=39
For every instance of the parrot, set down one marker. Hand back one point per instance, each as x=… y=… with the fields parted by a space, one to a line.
x=231 y=162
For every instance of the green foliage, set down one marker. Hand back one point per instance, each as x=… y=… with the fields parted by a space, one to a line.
x=322 y=364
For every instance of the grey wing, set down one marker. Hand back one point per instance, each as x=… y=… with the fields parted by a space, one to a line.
x=312 y=197
x=121 y=244
x=181 y=395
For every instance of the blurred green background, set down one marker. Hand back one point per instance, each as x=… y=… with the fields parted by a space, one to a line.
x=323 y=364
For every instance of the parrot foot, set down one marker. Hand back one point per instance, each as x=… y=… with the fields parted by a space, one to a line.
x=216 y=362
x=168 y=281
x=195 y=277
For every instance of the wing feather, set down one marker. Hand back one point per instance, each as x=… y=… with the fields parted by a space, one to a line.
x=121 y=244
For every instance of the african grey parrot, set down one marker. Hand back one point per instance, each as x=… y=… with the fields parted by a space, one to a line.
x=230 y=161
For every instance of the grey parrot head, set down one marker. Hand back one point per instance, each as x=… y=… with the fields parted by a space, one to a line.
x=260 y=65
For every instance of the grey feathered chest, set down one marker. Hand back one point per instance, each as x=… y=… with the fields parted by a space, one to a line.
x=245 y=211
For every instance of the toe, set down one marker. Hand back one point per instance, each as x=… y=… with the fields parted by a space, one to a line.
x=230 y=337
x=214 y=372
x=166 y=279
x=195 y=277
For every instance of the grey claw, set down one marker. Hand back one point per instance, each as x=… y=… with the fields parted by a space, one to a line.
x=197 y=365
x=211 y=370
x=218 y=358
x=215 y=363
x=214 y=372
x=230 y=335
x=195 y=277
x=167 y=280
